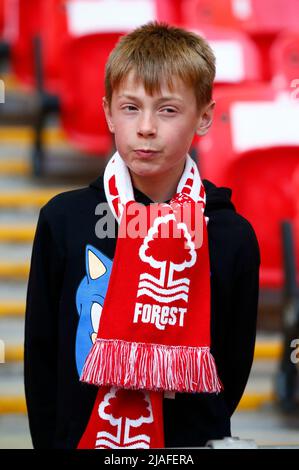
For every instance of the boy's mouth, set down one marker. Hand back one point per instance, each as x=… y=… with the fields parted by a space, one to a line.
x=145 y=152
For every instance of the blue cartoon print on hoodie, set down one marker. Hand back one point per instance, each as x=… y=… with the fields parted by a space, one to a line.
x=89 y=301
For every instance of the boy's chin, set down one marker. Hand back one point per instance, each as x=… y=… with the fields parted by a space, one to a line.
x=145 y=169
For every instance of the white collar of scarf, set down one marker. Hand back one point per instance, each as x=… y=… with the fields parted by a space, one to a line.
x=117 y=172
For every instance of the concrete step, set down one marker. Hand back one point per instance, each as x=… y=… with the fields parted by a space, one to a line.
x=14 y=432
x=13 y=291
x=12 y=308
x=16 y=233
x=15 y=252
x=14 y=270
x=258 y=393
x=62 y=164
x=14 y=135
x=267 y=426
x=15 y=218
x=16 y=183
x=16 y=167
x=14 y=386
x=28 y=197
x=12 y=331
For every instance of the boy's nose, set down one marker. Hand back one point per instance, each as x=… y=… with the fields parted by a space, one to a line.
x=146 y=125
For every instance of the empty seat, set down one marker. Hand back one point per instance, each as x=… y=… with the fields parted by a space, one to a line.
x=262 y=20
x=253 y=147
x=23 y=18
x=237 y=58
x=93 y=16
x=1 y=19
x=296 y=217
x=284 y=55
x=82 y=81
x=253 y=16
x=27 y=21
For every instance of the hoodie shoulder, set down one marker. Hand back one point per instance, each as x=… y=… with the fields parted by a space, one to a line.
x=75 y=199
x=225 y=219
x=217 y=197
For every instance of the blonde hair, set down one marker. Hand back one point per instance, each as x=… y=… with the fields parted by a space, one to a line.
x=157 y=52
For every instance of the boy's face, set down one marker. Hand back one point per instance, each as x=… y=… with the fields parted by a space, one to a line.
x=153 y=134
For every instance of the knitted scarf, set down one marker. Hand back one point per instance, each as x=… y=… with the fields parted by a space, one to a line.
x=154 y=331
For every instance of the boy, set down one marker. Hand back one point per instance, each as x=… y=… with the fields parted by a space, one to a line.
x=159 y=381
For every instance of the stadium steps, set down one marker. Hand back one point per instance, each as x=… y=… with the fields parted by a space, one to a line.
x=21 y=197
x=259 y=390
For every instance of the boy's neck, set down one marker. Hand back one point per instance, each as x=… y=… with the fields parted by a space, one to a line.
x=159 y=188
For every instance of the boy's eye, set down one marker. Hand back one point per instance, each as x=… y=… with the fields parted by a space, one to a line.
x=168 y=110
x=129 y=107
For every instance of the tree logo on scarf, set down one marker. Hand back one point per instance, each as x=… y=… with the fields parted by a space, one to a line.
x=168 y=247
x=130 y=432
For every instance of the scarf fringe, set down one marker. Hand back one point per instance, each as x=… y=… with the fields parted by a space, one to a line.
x=151 y=366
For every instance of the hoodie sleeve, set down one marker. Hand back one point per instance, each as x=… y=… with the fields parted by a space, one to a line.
x=241 y=335
x=41 y=333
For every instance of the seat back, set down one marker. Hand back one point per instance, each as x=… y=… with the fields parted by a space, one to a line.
x=82 y=79
x=31 y=19
x=253 y=147
x=23 y=17
x=296 y=217
x=54 y=34
x=252 y=16
x=237 y=58
x=94 y=16
x=1 y=18
x=284 y=55
x=261 y=20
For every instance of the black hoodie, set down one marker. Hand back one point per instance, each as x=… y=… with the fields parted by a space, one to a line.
x=59 y=405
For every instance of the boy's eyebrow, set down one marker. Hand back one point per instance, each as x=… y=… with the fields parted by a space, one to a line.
x=160 y=100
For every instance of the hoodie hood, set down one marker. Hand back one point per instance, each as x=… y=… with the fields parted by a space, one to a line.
x=218 y=197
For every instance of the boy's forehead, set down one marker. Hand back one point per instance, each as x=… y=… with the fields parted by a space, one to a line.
x=131 y=85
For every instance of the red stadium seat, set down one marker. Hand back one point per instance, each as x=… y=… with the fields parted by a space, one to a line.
x=169 y=11
x=93 y=16
x=1 y=18
x=284 y=55
x=253 y=147
x=82 y=115
x=237 y=58
x=296 y=218
x=23 y=20
x=29 y=19
x=262 y=20
x=253 y=16
x=54 y=34
x=200 y=13
x=54 y=20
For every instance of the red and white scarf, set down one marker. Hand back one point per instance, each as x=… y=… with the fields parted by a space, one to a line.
x=154 y=331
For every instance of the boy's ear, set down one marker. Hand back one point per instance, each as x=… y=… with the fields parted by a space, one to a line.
x=206 y=118
x=108 y=115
